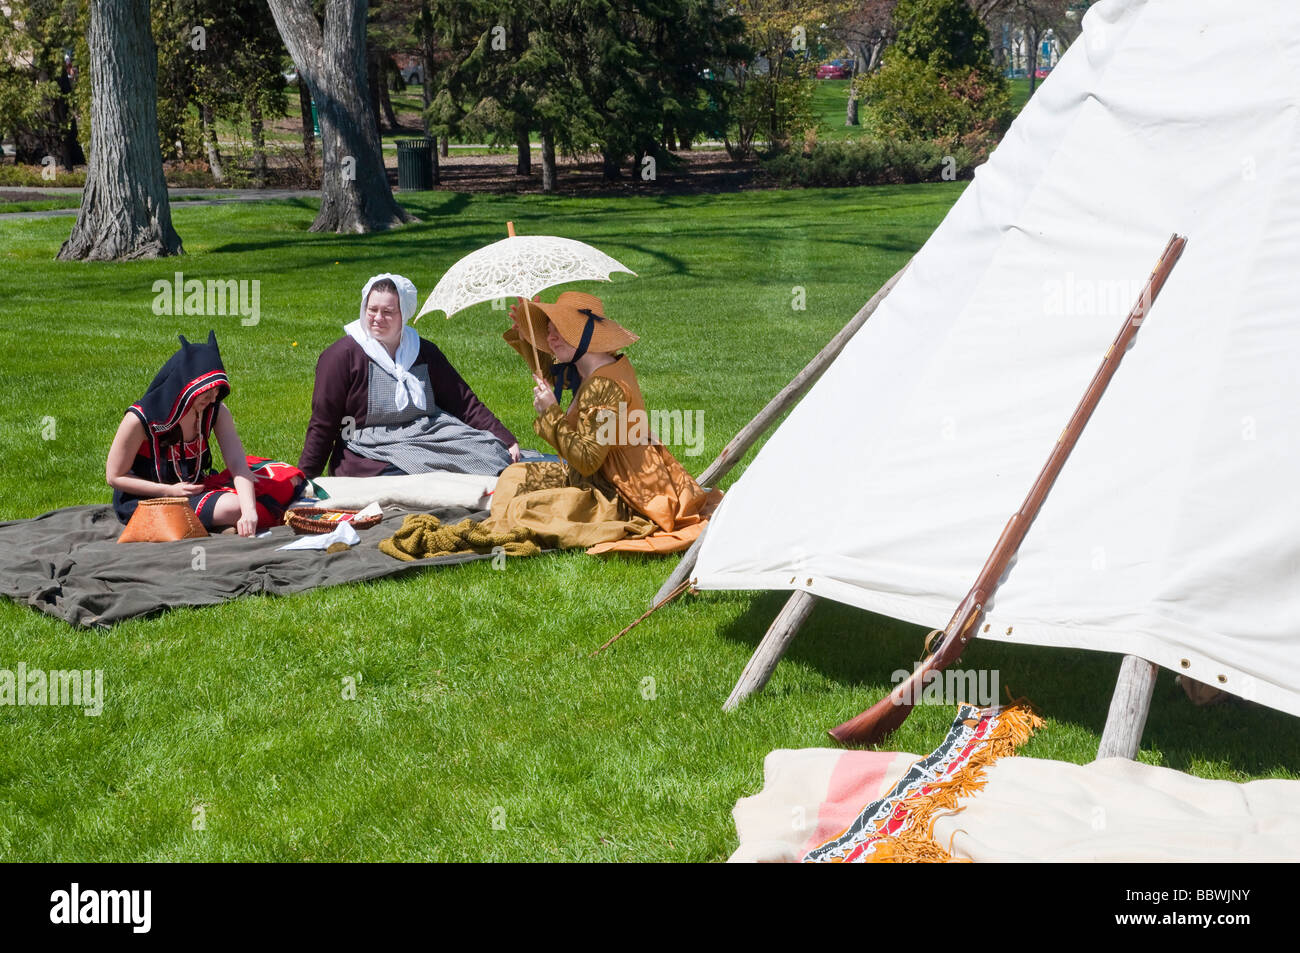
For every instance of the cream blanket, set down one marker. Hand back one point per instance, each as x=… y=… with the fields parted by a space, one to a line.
x=1031 y=810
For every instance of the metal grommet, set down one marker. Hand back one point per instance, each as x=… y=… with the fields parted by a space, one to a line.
x=986 y=626
x=1223 y=679
x=809 y=582
x=1185 y=663
x=1008 y=630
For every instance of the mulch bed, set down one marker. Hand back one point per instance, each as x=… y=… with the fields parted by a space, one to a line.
x=699 y=172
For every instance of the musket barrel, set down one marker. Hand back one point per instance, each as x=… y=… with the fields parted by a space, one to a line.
x=882 y=718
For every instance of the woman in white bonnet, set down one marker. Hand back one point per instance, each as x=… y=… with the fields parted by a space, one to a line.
x=387 y=401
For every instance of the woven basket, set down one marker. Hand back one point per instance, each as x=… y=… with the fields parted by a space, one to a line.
x=316 y=519
x=163 y=519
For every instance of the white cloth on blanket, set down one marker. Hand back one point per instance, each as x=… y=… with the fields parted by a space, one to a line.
x=419 y=491
x=343 y=533
x=1034 y=809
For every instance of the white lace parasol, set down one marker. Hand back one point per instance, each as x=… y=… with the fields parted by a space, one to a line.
x=519 y=265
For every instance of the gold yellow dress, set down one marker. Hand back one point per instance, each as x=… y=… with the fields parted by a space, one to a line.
x=616 y=487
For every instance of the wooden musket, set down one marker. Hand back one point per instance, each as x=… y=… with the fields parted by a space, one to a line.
x=892 y=710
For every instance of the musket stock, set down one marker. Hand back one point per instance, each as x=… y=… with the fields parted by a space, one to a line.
x=891 y=711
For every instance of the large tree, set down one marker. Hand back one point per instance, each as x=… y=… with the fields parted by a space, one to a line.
x=331 y=58
x=124 y=208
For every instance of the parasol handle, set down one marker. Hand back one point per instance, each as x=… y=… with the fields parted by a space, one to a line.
x=537 y=364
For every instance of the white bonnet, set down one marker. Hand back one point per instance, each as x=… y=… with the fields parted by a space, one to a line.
x=406 y=297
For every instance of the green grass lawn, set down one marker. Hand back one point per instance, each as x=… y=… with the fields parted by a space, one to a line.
x=481 y=729
x=41 y=205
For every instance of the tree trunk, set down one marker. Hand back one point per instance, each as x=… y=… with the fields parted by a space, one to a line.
x=208 y=131
x=70 y=153
x=609 y=166
x=851 y=116
x=259 y=143
x=355 y=194
x=372 y=85
x=385 y=63
x=1033 y=62
x=548 y=158
x=308 y=133
x=874 y=61
x=444 y=147
x=125 y=214
x=524 y=149
x=426 y=101
x=425 y=31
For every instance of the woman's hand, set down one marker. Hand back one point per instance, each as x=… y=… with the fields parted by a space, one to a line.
x=247 y=524
x=514 y=452
x=543 y=398
x=184 y=489
x=517 y=310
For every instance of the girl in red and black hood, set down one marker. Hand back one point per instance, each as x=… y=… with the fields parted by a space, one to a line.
x=162 y=449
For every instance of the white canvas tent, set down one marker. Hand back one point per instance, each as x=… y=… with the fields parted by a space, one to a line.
x=1173 y=532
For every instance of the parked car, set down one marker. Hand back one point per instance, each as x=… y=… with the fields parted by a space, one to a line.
x=832 y=71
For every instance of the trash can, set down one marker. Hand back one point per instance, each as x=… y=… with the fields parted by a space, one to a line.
x=415 y=165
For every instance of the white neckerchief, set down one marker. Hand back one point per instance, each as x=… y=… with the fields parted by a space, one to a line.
x=410 y=389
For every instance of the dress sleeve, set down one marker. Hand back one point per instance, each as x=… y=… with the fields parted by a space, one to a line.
x=455 y=396
x=327 y=406
x=584 y=446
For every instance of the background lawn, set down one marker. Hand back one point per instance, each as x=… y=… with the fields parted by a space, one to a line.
x=481 y=729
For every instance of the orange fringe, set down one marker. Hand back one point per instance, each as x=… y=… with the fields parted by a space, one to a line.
x=1016 y=724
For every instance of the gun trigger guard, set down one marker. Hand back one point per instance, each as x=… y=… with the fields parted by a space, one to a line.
x=930 y=640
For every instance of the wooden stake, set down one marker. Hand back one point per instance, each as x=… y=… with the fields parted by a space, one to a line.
x=763 y=662
x=682 y=570
x=1128 y=709
x=510 y=229
x=644 y=615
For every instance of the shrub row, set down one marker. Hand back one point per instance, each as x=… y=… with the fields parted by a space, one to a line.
x=877 y=162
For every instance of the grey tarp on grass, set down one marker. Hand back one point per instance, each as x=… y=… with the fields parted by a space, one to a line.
x=68 y=564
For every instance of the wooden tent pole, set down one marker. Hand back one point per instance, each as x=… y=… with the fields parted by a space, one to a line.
x=750 y=433
x=1128 y=709
x=763 y=662
x=681 y=571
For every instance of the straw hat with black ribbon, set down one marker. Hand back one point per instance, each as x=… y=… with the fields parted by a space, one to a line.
x=571 y=314
x=580 y=319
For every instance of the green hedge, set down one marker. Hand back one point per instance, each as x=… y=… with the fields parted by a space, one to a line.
x=877 y=162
